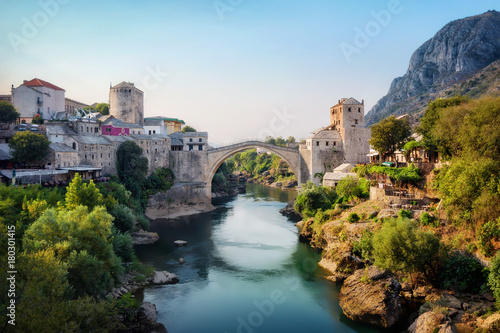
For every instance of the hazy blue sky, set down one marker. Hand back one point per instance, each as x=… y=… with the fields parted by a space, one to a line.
x=234 y=68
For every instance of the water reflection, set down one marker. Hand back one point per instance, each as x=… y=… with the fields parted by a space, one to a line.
x=245 y=271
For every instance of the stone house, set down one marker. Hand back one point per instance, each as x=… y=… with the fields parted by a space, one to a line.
x=195 y=140
x=113 y=126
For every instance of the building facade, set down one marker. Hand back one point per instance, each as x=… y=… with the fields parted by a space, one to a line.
x=38 y=97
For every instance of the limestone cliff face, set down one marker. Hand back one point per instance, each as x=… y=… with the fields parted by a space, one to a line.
x=457 y=51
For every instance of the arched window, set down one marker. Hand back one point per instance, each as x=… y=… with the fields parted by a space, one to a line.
x=74 y=145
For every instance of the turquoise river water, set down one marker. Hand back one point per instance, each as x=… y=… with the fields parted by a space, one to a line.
x=245 y=272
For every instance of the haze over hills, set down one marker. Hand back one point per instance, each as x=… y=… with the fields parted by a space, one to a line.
x=460 y=59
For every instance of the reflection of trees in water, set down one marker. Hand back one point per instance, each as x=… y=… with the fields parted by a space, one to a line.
x=259 y=191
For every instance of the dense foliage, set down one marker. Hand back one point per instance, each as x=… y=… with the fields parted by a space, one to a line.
x=68 y=252
x=463 y=273
x=132 y=167
x=390 y=134
x=8 y=113
x=401 y=246
x=30 y=148
x=311 y=198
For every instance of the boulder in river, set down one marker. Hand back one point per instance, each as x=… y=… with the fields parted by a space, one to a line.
x=371 y=296
x=144 y=237
x=164 y=277
x=431 y=322
x=179 y=243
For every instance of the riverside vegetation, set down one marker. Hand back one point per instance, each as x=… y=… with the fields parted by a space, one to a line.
x=74 y=245
x=453 y=249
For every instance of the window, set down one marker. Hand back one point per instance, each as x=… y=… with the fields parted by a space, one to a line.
x=87 y=129
x=200 y=140
x=334 y=143
x=317 y=143
x=56 y=135
x=85 y=156
x=108 y=129
x=95 y=130
x=149 y=132
x=147 y=151
x=200 y=147
x=81 y=128
x=154 y=132
x=359 y=110
x=101 y=155
x=355 y=121
x=92 y=156
x=74 y=145
x=58 y=155
x=156 y=150
x=190 y=139
x=349 y=109
x=327 y=143
x=109 y=155
x=133 y=132
x=190 y=147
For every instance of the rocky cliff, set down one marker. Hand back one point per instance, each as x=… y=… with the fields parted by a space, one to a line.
x=458 y=51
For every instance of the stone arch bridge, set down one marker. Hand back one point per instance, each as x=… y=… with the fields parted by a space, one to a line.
x=195 y=169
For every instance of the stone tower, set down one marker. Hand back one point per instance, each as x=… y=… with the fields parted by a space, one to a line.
x=348 y=117
x=126 y=103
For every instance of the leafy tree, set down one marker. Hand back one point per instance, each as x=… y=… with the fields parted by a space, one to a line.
x=188 y=128
x=280 y=141
x=87 y=274
x=411 y=146
x=124 y=219
x=29 y=147
x=463 y=273
x=270 y=140
x=290 y=139
x=401 y=246
x=432 y=116
x=389 y=135
x=8 y=113
x=102 y=108
x=68 y=231
x=350 y=186
x=131 y=167
x=123 y=245
x=82 y=194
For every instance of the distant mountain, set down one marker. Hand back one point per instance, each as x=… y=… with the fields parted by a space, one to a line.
x=445 y=65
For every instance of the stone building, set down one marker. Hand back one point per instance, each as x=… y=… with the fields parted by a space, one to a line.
x=345 y=140
x=69 y=108
x=116 y=127
x=172 y=125
x=195 y=140
x=38 y=97
x=126 y=103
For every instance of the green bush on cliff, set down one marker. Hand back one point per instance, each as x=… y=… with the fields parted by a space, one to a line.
x=364 y=248
x=400 y=246
x=488 y=232
x=312 y=197
x=463 y=273
x=124 y=219
x=494 y=278
x=353 y=218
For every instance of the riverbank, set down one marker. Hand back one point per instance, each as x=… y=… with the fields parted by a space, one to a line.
x=384 y=299
x=267 y=178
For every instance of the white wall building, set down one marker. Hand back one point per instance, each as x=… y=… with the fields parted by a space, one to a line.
x=154 y=126
x=38 y=97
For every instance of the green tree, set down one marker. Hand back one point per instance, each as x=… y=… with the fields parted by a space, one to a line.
x=494 y=277
x=280 y=141
x=401 y=246
x=312 y=198
x=102 y=108
x=29 y=147
x=124 y=219
x=270 y=140
x=290 y=139
x=188 y=128
x=389 y=135
x=349 y=187
x=8 y=113
x=82 y=194
x=131 y=167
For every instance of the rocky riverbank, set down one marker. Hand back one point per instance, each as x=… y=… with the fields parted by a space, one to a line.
x=379 y=298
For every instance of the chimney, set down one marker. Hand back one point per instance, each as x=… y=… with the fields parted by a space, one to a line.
x=24 y=81
x=363 y=102
x=339 y=101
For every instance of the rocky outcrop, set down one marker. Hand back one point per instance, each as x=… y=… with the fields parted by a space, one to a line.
x=456 y=52
x=164 y=277
x=432 y=322
x=492 y=323
x=371 y=296
x=290 y=211
x=142 y=237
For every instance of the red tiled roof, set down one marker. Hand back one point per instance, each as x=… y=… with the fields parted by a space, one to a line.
x=38 y=83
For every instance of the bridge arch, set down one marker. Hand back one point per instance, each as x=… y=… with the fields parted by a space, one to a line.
x=218 y=155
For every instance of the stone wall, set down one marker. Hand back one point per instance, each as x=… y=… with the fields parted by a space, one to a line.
x=182 y=199
x=189 y=166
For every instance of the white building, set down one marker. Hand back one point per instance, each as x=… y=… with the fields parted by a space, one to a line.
x=38 y=97
x=195 y=140
x=154 y=126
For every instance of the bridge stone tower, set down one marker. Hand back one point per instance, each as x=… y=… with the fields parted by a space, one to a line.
x=126 y=103
x=348 y=117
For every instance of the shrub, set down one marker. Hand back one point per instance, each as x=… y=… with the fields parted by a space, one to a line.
x=353 y=218
x=144 y=222
x=494 y=277
x=487 y=232
x=363 y=248
x=404 y=213
x=463 y=273
x=311 y=198
x=124 y=218
x=123 y=246
x=400 y=246
x=428 y=219
x=87 y=274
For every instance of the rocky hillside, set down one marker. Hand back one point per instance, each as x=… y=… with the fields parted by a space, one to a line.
x=459 y=50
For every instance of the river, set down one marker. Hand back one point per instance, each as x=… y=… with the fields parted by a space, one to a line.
x=245 y=271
